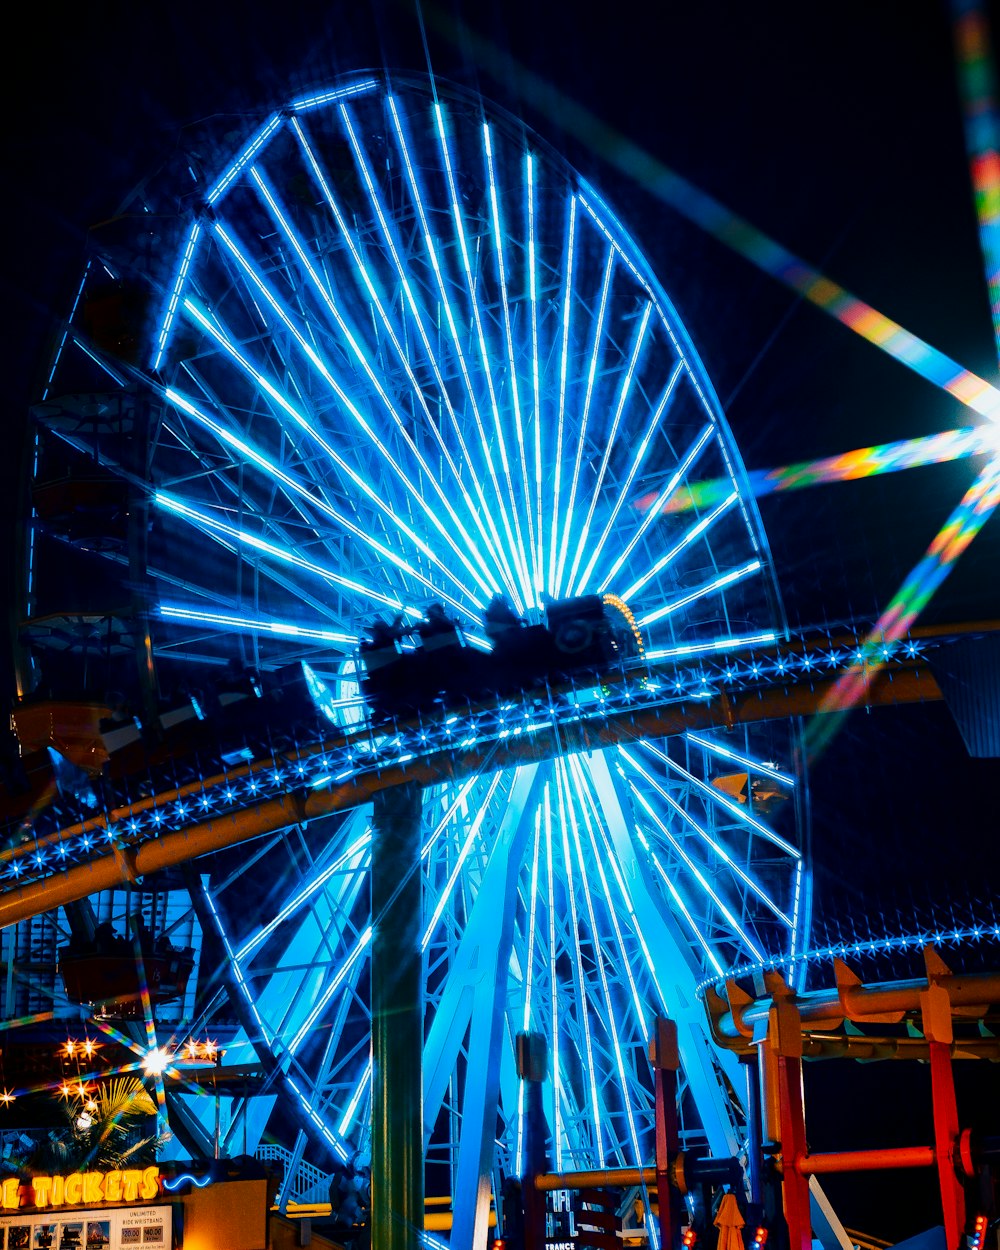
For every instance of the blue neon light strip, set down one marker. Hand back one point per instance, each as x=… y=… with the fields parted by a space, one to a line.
x=305 y=103
x=723 y=801
x=626 y=486
x=535 y=388
x=507 y=573
x=292 y=906
x=707 y=648
x=566 y=807
x=463 y=855
x=595 y=823
x=623 y=394
x=557 y=1132
x=611 y=1020
x=199 y=1182
x=690 y=457
x=757 y=766
x=69 y=321
x=695 y=531
x=691 y=866
x=362 y=944
x=245 y=157
x=226 y=343
x=682 y=906
x=561 y=419
x=402 y=355
x=179 y=508
x=717 y=849
x=709 y=588
x=584 y=421
x=281 y=629
x=281 y=219
x=175 y=294
x=514 y=536
x=508 y=337
x=343 y=1128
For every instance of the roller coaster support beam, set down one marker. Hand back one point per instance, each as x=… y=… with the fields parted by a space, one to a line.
x=397 y=1022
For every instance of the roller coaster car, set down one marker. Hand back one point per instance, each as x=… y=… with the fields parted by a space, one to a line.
x=436 y=669
x=111 y=977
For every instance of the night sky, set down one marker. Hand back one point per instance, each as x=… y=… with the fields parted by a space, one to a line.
x=836 y=129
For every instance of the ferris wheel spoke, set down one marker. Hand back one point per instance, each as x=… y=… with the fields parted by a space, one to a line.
x=716 y=848
x=609 y=951
x=474 y=1004
x=623 y=395
x=567 y=524
x=524 y=503
x=592 y=822
x=567 y=819
x=561 y=418
x=622 y=495
x=755 y=765
x=695 y=531
x=529 y=166
x=355 y=530
x=401 y=355
x=703 y=591
x=323 y=370
x=511 y=519
x=717 y=797
x=379 y=387
x=684 y=905
x=501 y=551
x=692 y=454
x=556 y=1119
x=484 y=518
x=221 y=531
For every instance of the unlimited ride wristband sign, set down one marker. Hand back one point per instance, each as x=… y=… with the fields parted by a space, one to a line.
x=29 y=1220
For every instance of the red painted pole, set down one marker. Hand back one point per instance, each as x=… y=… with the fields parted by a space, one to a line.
x=866 y=1160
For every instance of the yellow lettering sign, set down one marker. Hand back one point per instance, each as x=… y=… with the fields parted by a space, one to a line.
x=93 y=1190
x=150 y=1183
x=85 y=1188
x=131 y=1180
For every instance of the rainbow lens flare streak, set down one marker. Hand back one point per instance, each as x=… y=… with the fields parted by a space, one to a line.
x=965 y=522
x=982 y=136
x=849 y=466
x=728 y=227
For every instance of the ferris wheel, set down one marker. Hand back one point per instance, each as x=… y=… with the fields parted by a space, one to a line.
x=404 y=355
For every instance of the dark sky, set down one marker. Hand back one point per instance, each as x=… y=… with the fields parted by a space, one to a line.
x=835 y=128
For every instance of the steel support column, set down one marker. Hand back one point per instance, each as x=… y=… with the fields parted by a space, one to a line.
x=397 y=1022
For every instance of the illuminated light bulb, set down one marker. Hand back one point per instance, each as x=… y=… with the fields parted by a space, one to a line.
x=156 y=1060
x=70 y=1048
x=89 y=1047
x=7 y=1097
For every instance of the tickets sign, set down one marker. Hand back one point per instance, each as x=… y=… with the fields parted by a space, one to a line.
x=81 y=1189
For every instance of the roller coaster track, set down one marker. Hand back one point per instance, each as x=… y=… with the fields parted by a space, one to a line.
x=132 y=837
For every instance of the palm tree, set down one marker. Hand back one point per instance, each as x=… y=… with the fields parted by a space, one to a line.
x=103 y=1133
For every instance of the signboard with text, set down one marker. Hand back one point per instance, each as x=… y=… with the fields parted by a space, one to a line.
x=120 y=1228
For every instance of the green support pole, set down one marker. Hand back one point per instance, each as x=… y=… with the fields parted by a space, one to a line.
x=397 y=1217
